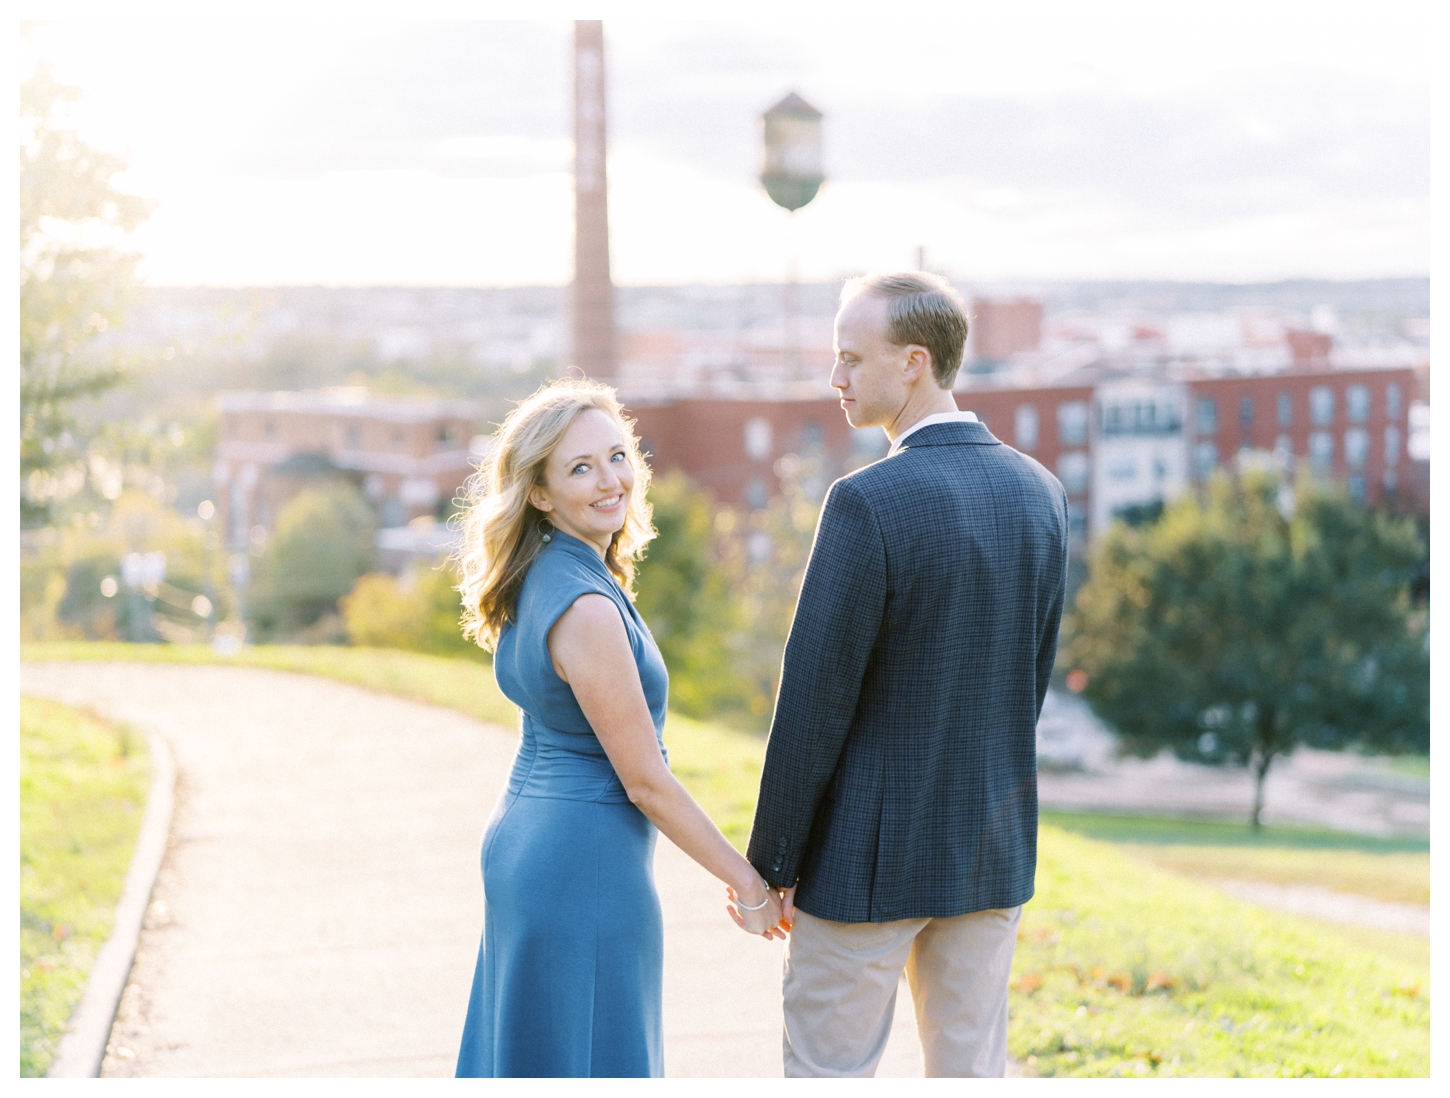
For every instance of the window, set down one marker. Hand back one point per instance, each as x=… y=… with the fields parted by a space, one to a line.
x=1286 y=410
x=758 y=439
x=1206 y=416
x=1321 y=405
x=1356 y=403
x=756 y=494
x=1024 y=426
x=1321 y=451
x=1357 y=488
x=1072 y=470
x=1356 y=447
x=1246 y=412
x=353 y=438
x=1123 y=468
x=1205 y=458
x=1076 y=521
x=813 y=435
x=269 y=429
x=1072 y=423
x=1392 y=401
x=1392 y=447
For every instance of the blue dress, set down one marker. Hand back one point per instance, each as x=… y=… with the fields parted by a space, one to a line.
x=569 y=971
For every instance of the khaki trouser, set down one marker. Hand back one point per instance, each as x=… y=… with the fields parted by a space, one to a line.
x=840 y=993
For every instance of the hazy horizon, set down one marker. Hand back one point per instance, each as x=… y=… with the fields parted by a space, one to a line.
x=1277 y=142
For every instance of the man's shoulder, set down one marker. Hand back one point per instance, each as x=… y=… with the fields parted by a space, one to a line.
x=885 y=480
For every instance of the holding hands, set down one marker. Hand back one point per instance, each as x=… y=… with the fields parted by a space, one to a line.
x=759 y=909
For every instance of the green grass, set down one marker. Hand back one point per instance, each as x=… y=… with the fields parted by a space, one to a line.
x=721 y=768
x=1124 y=969
x=1395 y=878
x=1126 y=828
x=1396 y=870
x=1126 y=965
x=1413 y=766
x=83 y=786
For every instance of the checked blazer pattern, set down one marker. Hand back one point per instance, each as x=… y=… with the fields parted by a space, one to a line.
x=900 y=780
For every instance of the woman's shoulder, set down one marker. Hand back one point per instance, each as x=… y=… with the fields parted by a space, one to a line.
x=555 y=579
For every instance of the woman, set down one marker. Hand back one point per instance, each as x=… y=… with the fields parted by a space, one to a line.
x=569 y=971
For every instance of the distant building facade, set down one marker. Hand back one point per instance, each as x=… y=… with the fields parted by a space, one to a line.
x=1118 y=440
x=408 y=456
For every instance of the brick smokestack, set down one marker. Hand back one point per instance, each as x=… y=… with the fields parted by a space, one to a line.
x=593 y=296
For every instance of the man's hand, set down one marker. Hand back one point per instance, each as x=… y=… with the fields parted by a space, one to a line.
x=787 y=907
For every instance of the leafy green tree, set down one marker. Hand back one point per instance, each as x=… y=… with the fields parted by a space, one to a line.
x=75 y=283
x=1251 y=621
x=322 y=543
x=685 y=596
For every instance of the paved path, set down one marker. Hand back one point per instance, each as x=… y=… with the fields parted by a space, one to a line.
x=319 y=910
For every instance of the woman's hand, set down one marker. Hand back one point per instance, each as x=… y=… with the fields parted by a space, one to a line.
x=768 y=921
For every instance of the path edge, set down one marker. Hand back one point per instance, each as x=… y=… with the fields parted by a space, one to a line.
x=81 y=1050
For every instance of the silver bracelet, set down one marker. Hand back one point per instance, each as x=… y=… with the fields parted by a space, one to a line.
x=757 y=907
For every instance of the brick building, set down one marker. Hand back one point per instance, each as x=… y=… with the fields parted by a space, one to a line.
x=408 y=456
x=1117 y=439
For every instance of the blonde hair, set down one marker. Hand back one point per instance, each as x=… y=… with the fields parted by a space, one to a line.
x=503 y=532
x=923 y=309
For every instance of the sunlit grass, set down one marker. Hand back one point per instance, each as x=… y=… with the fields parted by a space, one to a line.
x=1131 y=828
x=83 y=786
x=1391 y=869
x=1124 y=967
x=1396 y=878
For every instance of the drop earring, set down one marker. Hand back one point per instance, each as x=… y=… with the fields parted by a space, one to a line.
x=544 y=529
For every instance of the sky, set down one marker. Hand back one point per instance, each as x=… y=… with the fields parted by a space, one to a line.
x=1269 y=141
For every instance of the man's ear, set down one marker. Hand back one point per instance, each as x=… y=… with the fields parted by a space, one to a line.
x=918 y=362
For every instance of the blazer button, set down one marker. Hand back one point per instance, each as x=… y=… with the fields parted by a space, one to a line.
x=782 y=844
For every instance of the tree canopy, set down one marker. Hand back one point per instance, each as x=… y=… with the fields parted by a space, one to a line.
x=76 y=279
x=1253 y=620
x=322 y=543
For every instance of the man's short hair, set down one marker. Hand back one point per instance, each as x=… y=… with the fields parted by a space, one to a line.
x=922 y=309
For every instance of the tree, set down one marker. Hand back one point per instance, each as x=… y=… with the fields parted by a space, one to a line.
x=75 y=283
x=1244 y=624
x=323 y=542
x=685 y=596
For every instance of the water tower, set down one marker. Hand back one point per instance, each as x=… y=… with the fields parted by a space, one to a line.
x=793 y=173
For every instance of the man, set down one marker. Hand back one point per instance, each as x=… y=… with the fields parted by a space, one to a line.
x=898 y=803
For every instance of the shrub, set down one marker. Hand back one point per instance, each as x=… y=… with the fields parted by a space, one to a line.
x=418 y=612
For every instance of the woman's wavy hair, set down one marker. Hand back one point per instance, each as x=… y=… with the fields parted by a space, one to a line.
x=503 y=532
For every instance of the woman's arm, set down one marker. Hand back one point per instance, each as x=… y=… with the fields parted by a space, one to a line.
x=590 y=650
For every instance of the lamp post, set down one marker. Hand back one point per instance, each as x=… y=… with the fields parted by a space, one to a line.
x=792 y=176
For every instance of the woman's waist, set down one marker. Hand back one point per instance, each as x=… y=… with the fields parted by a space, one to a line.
x=543 y=769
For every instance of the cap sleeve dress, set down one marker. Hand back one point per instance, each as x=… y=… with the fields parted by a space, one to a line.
x=569 y=970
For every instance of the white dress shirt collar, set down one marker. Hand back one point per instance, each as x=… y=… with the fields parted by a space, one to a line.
x=927 y=421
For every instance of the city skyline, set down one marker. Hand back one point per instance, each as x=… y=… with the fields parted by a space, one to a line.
x=425 y=153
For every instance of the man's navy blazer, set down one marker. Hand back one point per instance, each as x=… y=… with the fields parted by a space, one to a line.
x=900 y=779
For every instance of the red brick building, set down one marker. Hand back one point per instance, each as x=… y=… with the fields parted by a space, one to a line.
x=408 y=456
x=1347 y=425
